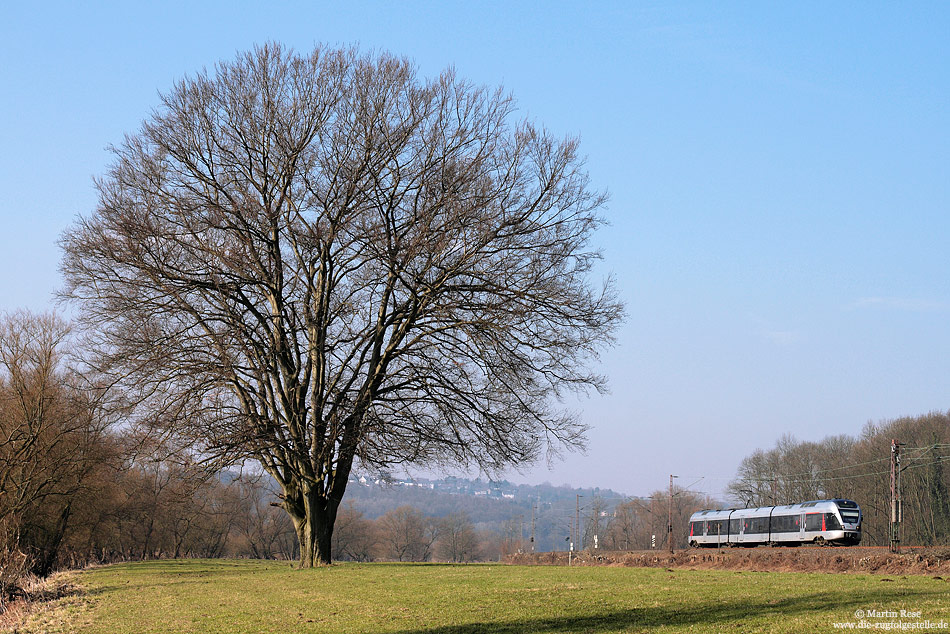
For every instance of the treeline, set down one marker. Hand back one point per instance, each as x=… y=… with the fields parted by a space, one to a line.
x=406 y=534
x=81 y=482
x=642 y=523
x=859 y=469
x=544 y=510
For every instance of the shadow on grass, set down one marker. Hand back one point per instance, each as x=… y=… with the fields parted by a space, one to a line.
x=706 y=617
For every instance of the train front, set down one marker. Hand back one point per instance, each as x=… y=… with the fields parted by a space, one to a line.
x=850 y=514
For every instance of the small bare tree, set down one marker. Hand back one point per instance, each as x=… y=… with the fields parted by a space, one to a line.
x=458 y=541
x=595 y=523
x=263 y=527
x=629 y=528
x=405 y=534
x=310 y=260
x=354 y=536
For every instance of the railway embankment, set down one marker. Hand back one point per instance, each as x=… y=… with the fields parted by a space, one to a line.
x=855 y=559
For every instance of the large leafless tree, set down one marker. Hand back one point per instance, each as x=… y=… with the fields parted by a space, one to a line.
x=312 y=260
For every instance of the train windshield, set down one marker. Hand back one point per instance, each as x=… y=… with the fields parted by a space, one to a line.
x=850 y=516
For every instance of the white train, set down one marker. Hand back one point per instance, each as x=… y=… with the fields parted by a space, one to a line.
x=819 y=522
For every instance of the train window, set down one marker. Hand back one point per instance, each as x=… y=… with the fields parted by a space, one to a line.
x=696 y=529
x=851 y=517
x=831 y=522
x=735 y=526
x=785 y=524
x=813 y=522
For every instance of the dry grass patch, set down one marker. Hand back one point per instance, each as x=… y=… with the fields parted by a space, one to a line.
x=42 y=598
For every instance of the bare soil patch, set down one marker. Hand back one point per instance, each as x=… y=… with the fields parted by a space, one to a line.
x=856 y=559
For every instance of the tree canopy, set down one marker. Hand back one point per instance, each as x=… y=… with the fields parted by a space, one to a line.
x=315 y=259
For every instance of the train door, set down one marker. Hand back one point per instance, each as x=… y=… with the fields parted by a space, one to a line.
x=735 y=530
x=801 y=527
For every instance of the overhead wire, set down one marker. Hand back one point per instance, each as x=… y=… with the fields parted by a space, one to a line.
x=814 y=473
x=845 y=477
x=799 y=478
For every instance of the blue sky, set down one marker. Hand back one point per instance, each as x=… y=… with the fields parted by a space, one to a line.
x=778 y=179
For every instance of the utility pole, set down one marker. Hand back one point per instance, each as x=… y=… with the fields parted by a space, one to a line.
x=669 y=526
x=896 y=511
x=532 y=526
x=570 y=550
x=571 y=522
x=577 y=520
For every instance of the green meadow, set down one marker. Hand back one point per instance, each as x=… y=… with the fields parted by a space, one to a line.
x=263 y=597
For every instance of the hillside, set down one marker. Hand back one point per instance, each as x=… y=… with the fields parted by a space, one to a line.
x=500 y=506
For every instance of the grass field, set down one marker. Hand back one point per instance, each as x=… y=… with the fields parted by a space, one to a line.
x=257 y=596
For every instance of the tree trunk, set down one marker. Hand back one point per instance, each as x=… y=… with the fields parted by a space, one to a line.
x=46 y=559
x=313 y=516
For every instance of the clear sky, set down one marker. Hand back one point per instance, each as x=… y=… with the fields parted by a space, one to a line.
x=779 y=180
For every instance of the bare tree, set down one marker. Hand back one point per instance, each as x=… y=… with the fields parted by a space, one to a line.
x=354 y=536
x=458 y=541
x=406 y=534
x=50 y=433
x=310 y=260
x=641 y=523
x=595 y=522
x=263 y=527
x=629 y=528
x=794 y=471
